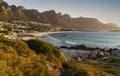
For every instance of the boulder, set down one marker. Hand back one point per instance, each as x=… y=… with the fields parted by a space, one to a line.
x=79 y=47
x=97 y=54
x=79 y=59
x=64 y=47
x=100 y=53
x=93 y=54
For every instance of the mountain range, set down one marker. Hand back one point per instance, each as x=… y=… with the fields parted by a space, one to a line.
x=14 y=12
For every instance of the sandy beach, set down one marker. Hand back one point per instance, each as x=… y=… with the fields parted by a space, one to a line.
x=57 y=43
x=45 y=37
x=33 y=35
x=40 y=35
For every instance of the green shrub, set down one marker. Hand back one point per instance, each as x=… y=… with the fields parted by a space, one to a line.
x=84 y=69
x=66 y=65
x=14 y=55
x=36 y=69
x=45 y=48
x=20 y=46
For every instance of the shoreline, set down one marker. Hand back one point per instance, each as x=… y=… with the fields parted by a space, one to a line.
x=73 y=51
x=45 y=37
x=27 y=36
x=41 y=34
x=82 y=51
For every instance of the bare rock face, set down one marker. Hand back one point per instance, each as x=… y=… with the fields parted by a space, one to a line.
x=66 y=16
x=51 y=16
x=21 y=7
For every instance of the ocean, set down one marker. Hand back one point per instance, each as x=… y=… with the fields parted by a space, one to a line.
x=102 y=39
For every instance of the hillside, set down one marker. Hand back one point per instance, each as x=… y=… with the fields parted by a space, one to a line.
x=13 y=12
x=38 y=58
x=18 y=58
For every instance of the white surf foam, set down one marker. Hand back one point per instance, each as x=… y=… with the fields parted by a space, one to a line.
x=52 y=38
x=70 y=42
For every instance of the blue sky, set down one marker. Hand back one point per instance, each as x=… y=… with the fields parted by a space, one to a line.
x=105 y=10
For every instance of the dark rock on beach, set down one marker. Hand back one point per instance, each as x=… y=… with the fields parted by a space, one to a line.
x=79 y=47
x=85 y=52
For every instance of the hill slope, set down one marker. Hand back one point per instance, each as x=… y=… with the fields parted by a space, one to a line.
x=38 y=58
x=20 y=13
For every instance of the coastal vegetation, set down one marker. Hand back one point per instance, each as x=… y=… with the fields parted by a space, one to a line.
x=38 y=58
x=17 y=59
x=83 y=69
x=47 y=49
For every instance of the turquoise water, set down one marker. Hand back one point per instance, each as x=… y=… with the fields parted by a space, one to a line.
x=103 y=39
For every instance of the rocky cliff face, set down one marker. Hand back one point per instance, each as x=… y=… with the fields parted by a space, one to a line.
x=20 y=13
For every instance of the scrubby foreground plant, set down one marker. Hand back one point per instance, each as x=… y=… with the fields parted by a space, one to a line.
x=39 y=58
x=18 y=59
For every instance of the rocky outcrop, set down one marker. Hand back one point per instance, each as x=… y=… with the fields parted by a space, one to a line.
x=83 y=47
x=97 y=54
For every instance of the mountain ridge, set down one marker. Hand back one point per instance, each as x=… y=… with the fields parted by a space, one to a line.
x=14 y=12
